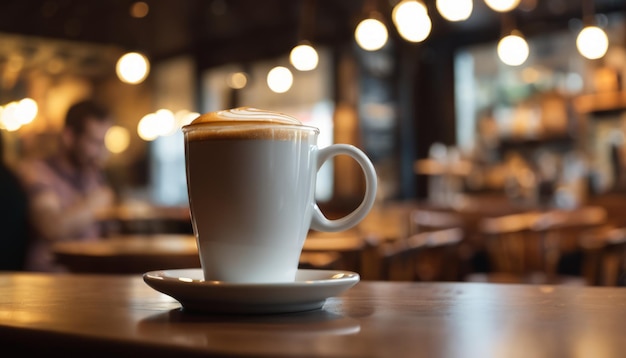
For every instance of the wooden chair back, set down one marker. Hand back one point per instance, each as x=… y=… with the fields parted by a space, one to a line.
x=426 y=256
x=528 y=247
x=422 y=220
x=561 y=230
x=605 y=256
x=511 y=244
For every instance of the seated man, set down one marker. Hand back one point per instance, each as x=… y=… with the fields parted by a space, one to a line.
x=67 y=190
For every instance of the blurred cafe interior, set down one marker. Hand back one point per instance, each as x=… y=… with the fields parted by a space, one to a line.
x=497 y=128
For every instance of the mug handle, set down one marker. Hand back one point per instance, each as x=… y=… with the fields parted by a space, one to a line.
x=320 y=222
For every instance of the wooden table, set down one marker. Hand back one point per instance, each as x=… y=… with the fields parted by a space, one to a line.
x=128 y=254
x=120 y=316
x=142 y=253
x=146 y=218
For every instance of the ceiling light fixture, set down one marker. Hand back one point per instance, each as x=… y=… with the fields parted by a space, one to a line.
x=455 y=10
x=513 y=49
x=371 y=33
x=304 y=56
x=592 y=42
x=502 y=5
x=411 y=20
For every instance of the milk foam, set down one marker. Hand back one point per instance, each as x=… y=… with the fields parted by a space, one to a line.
x=246 y=114
x=245 y=123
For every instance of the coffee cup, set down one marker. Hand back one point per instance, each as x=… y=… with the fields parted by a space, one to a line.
x=251 y=178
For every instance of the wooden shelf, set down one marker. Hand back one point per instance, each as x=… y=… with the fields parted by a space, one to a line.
x=430 y=166
x=601 y=103
x=555 y=142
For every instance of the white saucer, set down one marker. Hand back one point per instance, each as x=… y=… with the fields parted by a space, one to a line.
x=308 y=292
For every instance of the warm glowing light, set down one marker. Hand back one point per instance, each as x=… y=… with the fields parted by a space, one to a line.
x=26 y=111
x=279 y=79
x=592 y=42
x=132 y=68
x=406 y=8
x=455 y=10
x=139 y=9
x=117 y=139
x=16 y=114
x=513 y=50
x=412 y=20
x=147 y=128
x=304 y=57
x=165 y=122
x=237 y=80
x=502 y=5
x=9 y=118
x=371 y=34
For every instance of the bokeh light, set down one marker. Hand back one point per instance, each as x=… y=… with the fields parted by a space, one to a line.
x=147 y=128
x=502 y=5
x=455 y=10
x=132 y=68
x=117 y=139
x=16 y=114
x=304 y=57
x=165 y=122
x=279 y=79
x=237 y=80
x=592 y=42
x=9 y=118
x=139 y=9
x=411 y=20
x=371 y=34
x=513 y=50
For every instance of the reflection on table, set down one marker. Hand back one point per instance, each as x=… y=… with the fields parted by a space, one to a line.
x=120 y=316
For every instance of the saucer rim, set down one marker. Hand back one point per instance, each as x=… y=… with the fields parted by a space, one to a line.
x=215 y=297
x=162 y=275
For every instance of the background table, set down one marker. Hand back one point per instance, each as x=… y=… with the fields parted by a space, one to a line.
x=142 y=253
x=128 y=253
x=100 y=315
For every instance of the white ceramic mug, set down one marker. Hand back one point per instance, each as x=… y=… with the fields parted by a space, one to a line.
x=251 y=182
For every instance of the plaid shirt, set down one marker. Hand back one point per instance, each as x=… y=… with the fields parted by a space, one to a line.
x=48 y=177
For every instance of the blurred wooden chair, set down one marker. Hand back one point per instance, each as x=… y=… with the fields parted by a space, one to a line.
x=427 y=256
x=604 y=256
x=511 y=244
x=560 y=232
x=423 y=220
x=516 y=252
x=428 y=220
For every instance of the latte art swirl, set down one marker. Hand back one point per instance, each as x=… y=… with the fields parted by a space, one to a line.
x=246 y=123
x=245 y=115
